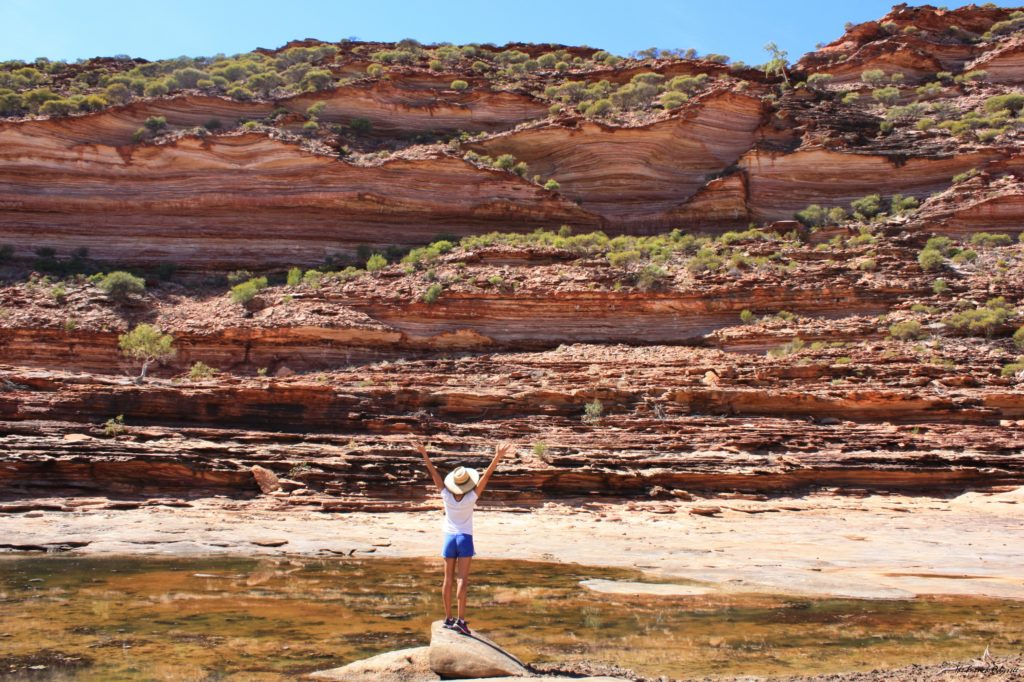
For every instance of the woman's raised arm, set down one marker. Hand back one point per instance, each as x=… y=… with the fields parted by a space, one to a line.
x=500 y=451
x=438 y=481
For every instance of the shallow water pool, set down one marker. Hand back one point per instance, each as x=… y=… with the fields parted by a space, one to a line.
x=205 y=619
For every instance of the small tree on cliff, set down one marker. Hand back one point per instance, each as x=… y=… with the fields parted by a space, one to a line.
x=776 y=66
x=145 y=345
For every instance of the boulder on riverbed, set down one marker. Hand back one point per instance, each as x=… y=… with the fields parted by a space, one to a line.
x=463 y=657
x=450 y=656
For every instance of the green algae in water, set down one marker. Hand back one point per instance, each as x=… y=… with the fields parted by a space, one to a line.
x=275 y=618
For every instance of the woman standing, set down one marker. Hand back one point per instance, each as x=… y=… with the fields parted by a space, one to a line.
x=460 y=490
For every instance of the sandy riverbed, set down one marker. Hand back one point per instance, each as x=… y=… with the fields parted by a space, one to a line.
x=871 y=547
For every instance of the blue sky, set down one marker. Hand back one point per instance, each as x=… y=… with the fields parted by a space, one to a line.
x=72 y=29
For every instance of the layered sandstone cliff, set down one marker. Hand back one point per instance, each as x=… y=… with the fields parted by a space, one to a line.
x=625 y=327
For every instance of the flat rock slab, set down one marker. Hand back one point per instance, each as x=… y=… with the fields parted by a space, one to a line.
x=549 y=679
x=404 y=665
x=658 y=589
x=466 y=657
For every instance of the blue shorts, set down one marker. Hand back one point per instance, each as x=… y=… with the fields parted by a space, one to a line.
x=457 y=546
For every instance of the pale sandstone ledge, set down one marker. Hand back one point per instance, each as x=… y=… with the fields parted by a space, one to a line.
x=893 y=547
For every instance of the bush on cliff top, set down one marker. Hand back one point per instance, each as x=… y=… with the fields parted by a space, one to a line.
x=244 y=293
x=121 y=286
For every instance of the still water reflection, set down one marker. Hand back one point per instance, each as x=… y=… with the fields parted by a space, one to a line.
x=262 y=619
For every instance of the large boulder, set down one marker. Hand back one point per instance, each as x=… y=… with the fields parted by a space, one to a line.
x=462 y=657
x=266 y=479
x=404 y=665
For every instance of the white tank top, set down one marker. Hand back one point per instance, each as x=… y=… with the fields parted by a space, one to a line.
x=458 y=514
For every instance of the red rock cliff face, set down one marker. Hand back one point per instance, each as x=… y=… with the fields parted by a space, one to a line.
x=735 y=153
x=247 y=201
x=847 y=353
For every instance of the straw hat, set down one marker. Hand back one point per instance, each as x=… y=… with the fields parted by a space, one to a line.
x=461 y=480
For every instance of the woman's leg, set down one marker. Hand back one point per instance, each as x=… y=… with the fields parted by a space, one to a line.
x=446 y=587
x=463 y=567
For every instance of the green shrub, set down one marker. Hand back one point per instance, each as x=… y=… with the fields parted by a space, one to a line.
x=705 y=260
x=145 y=344
x=634 y=95
x=1012 y=101
x=965 y=256
x=886 y=95
x=376 y=262
x=114 y=426
x=867 y=264
x=868 y=206
x=966 y=175
x=940 y=286
x=620 y=259
x=984 y=320
x=432 y=293
x=505 y=162
x=668 y=100
x=244 y=293
x=987 y=239
x=787 y=348
x=813 y=216
x=910 y=329
x=155 y=89
x=317 y=79
x=930 y=260
x=540 y=449
x=155 y=123
x=295 y=277
x=1013 y=369
x=552 y=185
x=873 y=76
x=901 y=204
x=851 y=97
x=942 y=244
x=56 y=107
x=651 y=277
x=121 y=286
x=459 y=85
x=600 y=107
x=374 y=70
x=312 y=278
x=818 y=81
x=593 y=411
x=1018 y=337
x=747 y=317
x=201 y=370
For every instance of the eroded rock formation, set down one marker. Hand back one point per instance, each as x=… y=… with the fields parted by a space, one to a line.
x=848 y=352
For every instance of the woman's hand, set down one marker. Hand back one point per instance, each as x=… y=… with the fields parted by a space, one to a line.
x=502 y=449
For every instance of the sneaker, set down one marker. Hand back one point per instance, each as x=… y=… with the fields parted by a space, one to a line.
x=449 y=623
x=461 y=626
